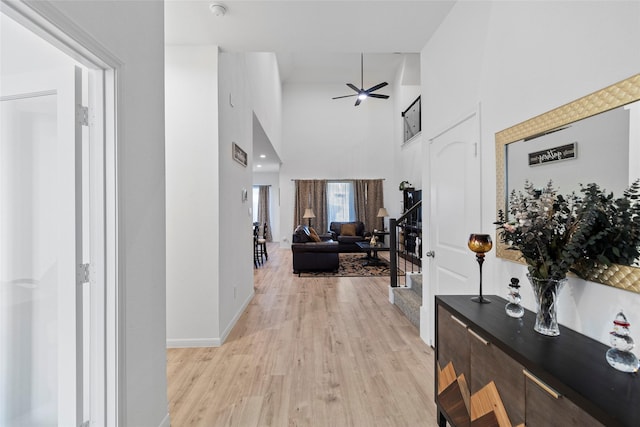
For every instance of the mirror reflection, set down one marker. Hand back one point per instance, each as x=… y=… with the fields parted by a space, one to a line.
x=603 y=152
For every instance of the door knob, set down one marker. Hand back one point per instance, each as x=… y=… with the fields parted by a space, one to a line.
x=430 y=254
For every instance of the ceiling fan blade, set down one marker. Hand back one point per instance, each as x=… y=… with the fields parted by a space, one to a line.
x=358 y=101
x=344 y=96
x=375 y=95
x=352 y=86
x=376 y=87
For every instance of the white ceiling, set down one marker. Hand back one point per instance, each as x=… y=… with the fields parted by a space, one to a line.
x=315 y=41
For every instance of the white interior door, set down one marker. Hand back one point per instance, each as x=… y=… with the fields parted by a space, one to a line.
x=41 y=250
x=454 y=211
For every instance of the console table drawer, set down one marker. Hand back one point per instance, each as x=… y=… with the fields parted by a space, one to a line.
x=543 y=409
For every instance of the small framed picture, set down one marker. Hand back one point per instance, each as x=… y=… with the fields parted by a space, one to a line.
x=239 y=155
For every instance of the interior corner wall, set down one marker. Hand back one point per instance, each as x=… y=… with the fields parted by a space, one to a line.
x=191 y=93
x=331 y=139
x=235 y=240
x=517 y=60
x=266 y=94
x=407 y=155
x=133 y=32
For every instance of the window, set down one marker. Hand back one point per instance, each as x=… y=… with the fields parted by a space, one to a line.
x=340 y=201
x=256 y=197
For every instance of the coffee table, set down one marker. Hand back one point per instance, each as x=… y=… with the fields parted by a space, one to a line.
x=372 y=259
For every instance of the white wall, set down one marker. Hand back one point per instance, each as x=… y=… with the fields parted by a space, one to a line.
x=332 y=139
x=235 y=239
x=133 y=31
x=266 y=94
x=191 y=91
x=408 y=155
x=210 y=105
x=518 y=60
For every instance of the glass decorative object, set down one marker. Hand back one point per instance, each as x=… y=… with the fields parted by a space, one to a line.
x=546 y=292
x=619 y=355
x=480 y=244
x=513 y=307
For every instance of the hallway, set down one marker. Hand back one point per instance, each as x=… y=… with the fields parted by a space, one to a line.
x=308 y=352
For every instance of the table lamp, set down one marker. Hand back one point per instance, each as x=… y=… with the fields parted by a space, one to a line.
x=382 y=212
x=480 y=244
x=308 y=214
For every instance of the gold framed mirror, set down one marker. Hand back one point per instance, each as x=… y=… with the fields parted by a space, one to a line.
x=617 y=95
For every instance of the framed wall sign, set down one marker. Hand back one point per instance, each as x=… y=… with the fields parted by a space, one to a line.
x=565 y=152
x=239 y=155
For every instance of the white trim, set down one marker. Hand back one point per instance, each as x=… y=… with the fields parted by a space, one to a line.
x=227 y=331
x=427 y=327
x=194 y=342
x=455 y=123
x=44 y=19
x=166 y=421
x=210 y=342
x=425 y=324
x=410 y=140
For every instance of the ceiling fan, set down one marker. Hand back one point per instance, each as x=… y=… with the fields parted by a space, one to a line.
x=361 y=93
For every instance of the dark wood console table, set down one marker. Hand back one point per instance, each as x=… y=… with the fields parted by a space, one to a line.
x=486 y=359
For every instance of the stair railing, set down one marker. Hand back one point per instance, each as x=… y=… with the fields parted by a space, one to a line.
x=401 y=255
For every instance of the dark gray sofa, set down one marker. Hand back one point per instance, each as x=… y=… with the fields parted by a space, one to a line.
x=348 y=243
x=309 y=255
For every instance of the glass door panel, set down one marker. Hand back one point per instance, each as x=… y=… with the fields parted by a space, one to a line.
x=29 y=262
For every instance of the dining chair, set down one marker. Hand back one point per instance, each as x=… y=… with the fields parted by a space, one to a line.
x=257 y=258
x=262 y=241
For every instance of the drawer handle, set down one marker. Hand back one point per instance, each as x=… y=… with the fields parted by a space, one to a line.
x=478 y=337
x=458 y=321
x=541 y=384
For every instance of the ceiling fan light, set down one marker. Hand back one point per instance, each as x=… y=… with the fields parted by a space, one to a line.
x=362 y=96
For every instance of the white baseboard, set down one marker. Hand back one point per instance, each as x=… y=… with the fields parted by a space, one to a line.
x=235 y=319
x=425 y=325
x=193 y=342
x=166 y=422
x=210 y=342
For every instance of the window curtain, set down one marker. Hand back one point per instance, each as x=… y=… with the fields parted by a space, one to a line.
x=263 y=210
x=311 y=193
x=369 y=197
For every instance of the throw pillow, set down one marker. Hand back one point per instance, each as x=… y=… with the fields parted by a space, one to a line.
x=314 y=235
x=301 y=234
x=348 y=229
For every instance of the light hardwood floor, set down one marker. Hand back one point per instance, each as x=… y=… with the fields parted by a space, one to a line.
x=308 y=352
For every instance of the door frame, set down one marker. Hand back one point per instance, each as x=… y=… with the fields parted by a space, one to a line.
x=427 y=321
x=46 y=21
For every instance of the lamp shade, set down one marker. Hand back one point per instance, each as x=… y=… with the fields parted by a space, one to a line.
x=308 y=213
x=382 y=212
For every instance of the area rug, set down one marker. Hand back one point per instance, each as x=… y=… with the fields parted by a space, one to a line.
x=351 y=265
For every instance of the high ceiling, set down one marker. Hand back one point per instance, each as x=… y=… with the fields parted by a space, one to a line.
x=315 y=41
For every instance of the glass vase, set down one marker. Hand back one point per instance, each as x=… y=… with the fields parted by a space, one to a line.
x=546 y=292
